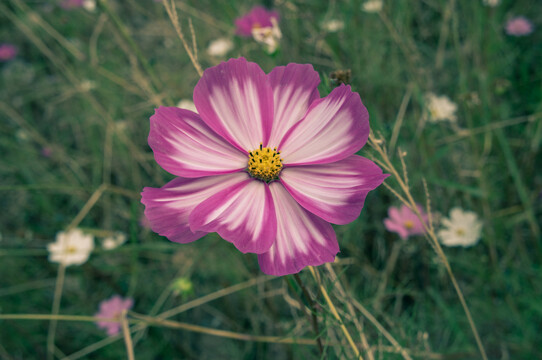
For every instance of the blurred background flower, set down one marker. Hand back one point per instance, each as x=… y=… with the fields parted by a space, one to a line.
x=462 y=228
x=112 y=308
x=440 y=108
x=72 y=247
x=519 y=26
x=405 y=222
x=7 y=51
x=219 y=47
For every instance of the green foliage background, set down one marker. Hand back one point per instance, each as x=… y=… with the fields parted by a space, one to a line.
x=85 y=83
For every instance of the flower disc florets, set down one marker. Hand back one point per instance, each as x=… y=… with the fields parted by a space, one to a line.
x=264 y=164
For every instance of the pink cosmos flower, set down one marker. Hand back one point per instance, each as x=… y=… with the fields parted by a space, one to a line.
x=267 y=164
x=519 y=26
x=404 y=222
x=7 y=51
x=46 y=152
x=263 y=26
x=258 y=17
x=113 y=308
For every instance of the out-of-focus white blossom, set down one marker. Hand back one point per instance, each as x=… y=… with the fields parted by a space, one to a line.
x=71 y=247
x=440 y=108
x=372 y=6
x=491 y=3
x=89 y=5
x=333 y=25
x=113 y=242
x=463 y=228
x=220 y=47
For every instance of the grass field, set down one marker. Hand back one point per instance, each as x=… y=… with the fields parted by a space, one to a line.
x=75 y=103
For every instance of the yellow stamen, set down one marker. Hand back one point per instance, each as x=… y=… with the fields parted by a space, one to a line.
x=409 y=224
x=264 y=164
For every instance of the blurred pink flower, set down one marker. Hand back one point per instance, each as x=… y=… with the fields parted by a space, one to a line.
x=71 y=4
x=46 y=151
x=404 y=221
x=113 y=308
x=519 y=26
x=266 y=163
x=7 y=51
x=258 y=17
x=262 y=25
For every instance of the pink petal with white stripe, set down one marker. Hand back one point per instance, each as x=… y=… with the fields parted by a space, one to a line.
x=295 y=87
x=185 y=146
x=243 y=214
x=168 y=208
x=334 y=128
x=335 y=192
x=235 y=100
x=303 y=238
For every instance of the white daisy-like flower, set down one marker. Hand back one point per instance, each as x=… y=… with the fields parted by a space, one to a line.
x=372 y=6
x=440 y=108
x=333 y=25
x=491 y=3
x=71 y=247
x=113 y=242
x=220 y=47
x=463 y=228
x=187 y=105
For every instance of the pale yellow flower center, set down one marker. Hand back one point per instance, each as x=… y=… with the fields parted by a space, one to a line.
x=460 y=232
x=264 y=163
x=409 y=224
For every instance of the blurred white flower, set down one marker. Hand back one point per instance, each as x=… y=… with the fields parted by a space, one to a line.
x=440 y=108
x=269 y=36
x=22 y=135
x=187 y=105
x=71 y=248
x=372 y=6
x=113 y=242
x=89 y=5
x=87 y=85
x=220 y=47
x=491 y=3
x=462 y=229
x=333 y=25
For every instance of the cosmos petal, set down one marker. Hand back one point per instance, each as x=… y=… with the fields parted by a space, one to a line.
x=303 y=238
x=334 y=128
x=295 y=87
x=396 y=227
x=168 y=208
x=235 y=99
x=243 y=214
x=335 y=191
x=185 y=146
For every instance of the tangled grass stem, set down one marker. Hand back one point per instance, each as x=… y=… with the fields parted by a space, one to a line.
x=408 y=200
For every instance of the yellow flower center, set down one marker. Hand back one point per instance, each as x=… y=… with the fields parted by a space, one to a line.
x=409 y=224
x=460 y=232
x=264 y=163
